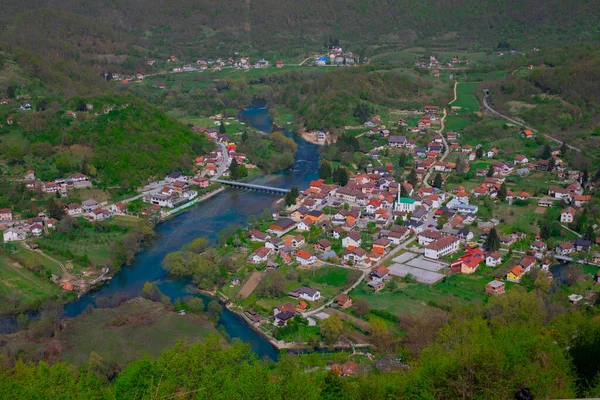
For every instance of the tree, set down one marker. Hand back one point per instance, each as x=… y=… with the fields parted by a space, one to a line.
x=563 y=148
x=493 y=240
x=294 y=191
x=546 y=152
x=438 y=181
x=340 y=176
x=585 y=177
x=402 y=160
x=490 y=171
x=502 y=192
x=14 y=154
x=63 y=164
x=324 y=170
x=54 y=210
x=214 y=309
x=272 y=285
x=222 y=129
x=442 y=221
x=479 y=152
x=196 y=305
x=362 y=306
x=331 y=329
x=460 y=165
x=403 y=191
x=413 y=179
x=237 y=171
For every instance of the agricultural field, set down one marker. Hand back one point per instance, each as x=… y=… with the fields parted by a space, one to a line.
x=466 y=100
x=20 y=286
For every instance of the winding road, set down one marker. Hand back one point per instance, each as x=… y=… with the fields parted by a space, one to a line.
x=446 y=147
x=496 y=113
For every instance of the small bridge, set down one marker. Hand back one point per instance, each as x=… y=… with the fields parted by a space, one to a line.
x=260 y=188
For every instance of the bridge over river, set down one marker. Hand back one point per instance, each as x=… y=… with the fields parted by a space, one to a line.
x=251 y=186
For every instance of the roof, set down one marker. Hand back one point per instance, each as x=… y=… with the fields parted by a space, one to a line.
x=443 y=242
x=496 y=284
x=303 y=254
x=283 y=224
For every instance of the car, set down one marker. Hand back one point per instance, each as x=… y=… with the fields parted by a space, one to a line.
x=430 y=226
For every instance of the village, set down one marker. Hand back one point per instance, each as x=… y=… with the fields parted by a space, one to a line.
x=384 y=235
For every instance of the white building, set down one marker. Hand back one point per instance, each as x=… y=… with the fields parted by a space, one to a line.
x=444 y=246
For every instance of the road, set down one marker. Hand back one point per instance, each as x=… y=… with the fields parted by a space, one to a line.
x=61 y=265
x=496 y=113
x=224 y=165
x=446 y=148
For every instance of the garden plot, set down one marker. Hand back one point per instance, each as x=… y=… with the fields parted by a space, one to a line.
x=421 y=275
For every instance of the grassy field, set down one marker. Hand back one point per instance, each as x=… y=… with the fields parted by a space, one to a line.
x=19 y=283
x=130 y=331
x=466 y=98
x=85 y=240
x=457 y=122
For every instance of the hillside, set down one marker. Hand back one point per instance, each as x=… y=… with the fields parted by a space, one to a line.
x=193 y=28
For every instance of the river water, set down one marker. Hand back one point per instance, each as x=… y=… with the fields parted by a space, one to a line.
x=230 y=207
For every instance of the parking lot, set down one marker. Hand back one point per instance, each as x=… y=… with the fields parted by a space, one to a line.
x=404 y=257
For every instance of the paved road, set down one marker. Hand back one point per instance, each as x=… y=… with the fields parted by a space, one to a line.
x=446 y=150
x=224 y=165
x=496 y=113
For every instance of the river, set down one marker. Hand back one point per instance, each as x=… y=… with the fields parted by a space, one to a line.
x=230 y=207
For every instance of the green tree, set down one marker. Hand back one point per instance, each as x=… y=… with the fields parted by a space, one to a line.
x=479 y=152
x=222 y=129
x=63 y=164
x=490 y=171
x=324 y=170
x=502 y=192
x=362 y=307
x=563 y=148
x=493 y=240
x=546 y=152
x=196 y=305
x=438 y=181
x=14 y=154
x=214 y=309
x=412 y=178
x=402 y=160
x=331 y=329
x=442 y=221
x=53 y=209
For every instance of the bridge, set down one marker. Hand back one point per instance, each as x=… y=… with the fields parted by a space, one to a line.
x=250 y=186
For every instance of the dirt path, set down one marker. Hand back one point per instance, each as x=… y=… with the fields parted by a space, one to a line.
x=455 y=95
x=251 y=284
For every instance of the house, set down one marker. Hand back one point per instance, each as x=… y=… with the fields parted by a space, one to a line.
x=567 y=215
x=6 y=214
x=515 y=274
x=298 y=241
x=582 y=244
x=260 y=255
x=379 y=274
x=279 y=64
x=538 y=246
x=441 y=247
x=282 y=318
x=281 y=226
x=348 y=369
x=258 y=236
x=527 y=262
x=355 y=256
x=74 y=209
x=493 y=259
x=565 y=248
x=429 y=236
x=376 y=285
x=397 y=141
x=89 y=205
x=305 y=224
x=520 y=159
x=381 y=245
x=119 y=208
x=527 y=133
x=494 y=288
x=305 y=258
x=13 y=234
x=352 y=240
x=468 y=263
x=306 y=293
x=322 y=246
x=344 y=301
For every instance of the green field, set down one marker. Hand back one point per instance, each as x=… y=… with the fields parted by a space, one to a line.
x=85 y=240
x=466 y=98
x=20 y=286
x=457 y=122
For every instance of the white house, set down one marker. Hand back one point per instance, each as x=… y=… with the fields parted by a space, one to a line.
x=567 y=215
x=444 y=246
x=493 y=259
x=305 y=258
x=260 y=255
x=353 y=239
x=306 y=293
x=12 y=235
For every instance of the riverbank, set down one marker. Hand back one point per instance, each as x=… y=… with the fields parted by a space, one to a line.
x=191 y=203
x=293 y=346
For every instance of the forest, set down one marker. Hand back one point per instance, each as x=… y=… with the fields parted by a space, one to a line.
x=516 y=345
